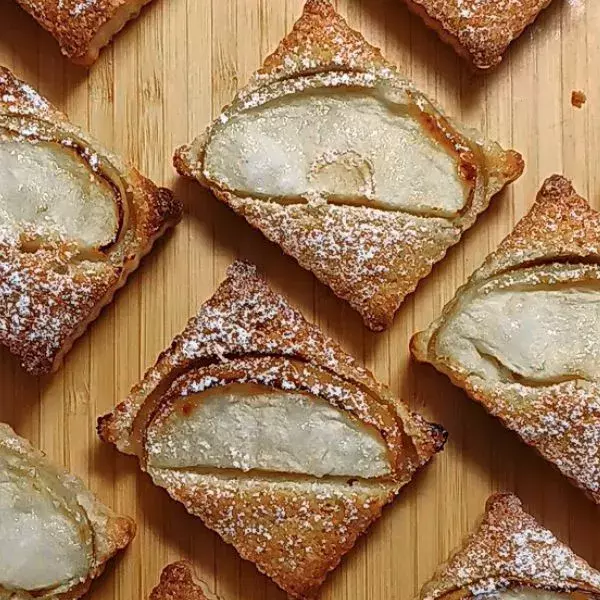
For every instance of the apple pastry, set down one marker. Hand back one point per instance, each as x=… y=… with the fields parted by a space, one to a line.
x=340 y=160
x=271 y=434
x=522 y=337
x=75 y=221
x=512 y=557
x=55 y=536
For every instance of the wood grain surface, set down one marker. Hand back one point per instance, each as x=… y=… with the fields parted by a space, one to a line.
x=157 y=86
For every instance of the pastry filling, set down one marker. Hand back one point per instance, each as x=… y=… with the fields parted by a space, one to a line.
x=524 y=593
x=44 y=543
x=349 y=147
x=253 y=427
x=536 y=336
x=47 y=191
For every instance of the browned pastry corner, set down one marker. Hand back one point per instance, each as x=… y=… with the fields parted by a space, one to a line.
x=83 y=27
x=522 y=337
x=55 y=536
x=334 y=156
x=269 y=432
x=177 y=582
x=479 y=31
x=512 y=557
x=75 y=221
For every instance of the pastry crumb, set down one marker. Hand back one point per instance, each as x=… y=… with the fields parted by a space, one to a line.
x=578 y=98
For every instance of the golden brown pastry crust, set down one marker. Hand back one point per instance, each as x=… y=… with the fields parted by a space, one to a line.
x=83 y=27
x=49 y=297
x=510 y=549
x=111 y=532
x=561 y=421
x=177 y=582
x=246 y=333
x=370 y=257
x=478 y=31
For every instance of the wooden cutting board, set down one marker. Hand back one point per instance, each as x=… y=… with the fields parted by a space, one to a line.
x=160 y=83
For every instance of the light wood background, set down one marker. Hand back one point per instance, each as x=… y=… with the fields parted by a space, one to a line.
x=157 y=86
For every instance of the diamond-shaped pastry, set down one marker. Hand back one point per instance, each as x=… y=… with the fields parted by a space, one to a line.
x=55 y=536
x=512 y=557
x=522 y=337
x=270 y=433
x=75 y=221
x=340 y=160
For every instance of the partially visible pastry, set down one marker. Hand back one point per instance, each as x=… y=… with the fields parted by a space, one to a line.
x=479 y=31
x=512 y=557
x=270 y=433
x=83 y=27
x=75 y=221
x=340 y=160
x=522 y=337
x=55 y=536
x=177 y=582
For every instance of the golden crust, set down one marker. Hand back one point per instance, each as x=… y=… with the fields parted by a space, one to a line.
x=82 y=27
x=510 y=549
x=111 y=532
x=479 y=31
x=560 y=420
x=48 y=297
x=177 y=582
x=371 y=258
x=248 y=333
x=296 y=532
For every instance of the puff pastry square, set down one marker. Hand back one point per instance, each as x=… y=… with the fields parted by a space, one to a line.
x=522 y=337
x=479 y=31
x=270 y=433
x=83 y=27
x=55 y=536
x=512 y=557
x=177 y=582
x=75 y=221
x=334 y=156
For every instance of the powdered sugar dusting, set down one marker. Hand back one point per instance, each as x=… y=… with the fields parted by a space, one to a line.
x=560 y=419
x=511 y=548
x=484 y=29
x=53 y=284
x=370 y=257
x=76 y=24
x=295 y=531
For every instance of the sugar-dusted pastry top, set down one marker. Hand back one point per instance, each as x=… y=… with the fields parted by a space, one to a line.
x=479 y=30
x=177 y=582
x=522 y=335
x=340 y=160
x=74 y=222
x=270 y=433
x=511 y=556
x=55 y=537
x=83 y=27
